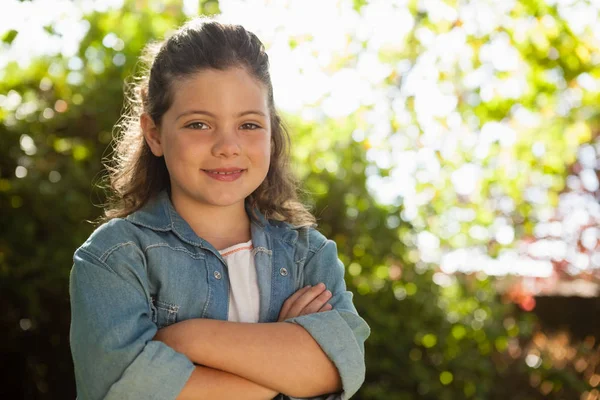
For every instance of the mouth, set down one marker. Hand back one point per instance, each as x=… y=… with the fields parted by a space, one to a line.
x=224 y=171
x=224 y=174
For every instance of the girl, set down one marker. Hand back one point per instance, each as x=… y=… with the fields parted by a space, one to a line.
x=198 y=284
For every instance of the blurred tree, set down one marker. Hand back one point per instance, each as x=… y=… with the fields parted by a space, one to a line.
x=56 y=122
x=434 y=336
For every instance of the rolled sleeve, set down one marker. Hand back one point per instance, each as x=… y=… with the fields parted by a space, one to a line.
x=111 y=333
x=340 y=332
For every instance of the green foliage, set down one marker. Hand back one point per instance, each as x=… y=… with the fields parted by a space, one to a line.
x=433 y=336
x=57 y=126
x=9 y=36
x=209 y=7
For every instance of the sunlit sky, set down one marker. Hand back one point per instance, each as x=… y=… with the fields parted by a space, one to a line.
x=305 y=85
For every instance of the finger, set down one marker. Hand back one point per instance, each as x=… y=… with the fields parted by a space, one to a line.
x=316 y=304
x=290 y=300
x=326 y=307
x=305 y=299
x=295 y=303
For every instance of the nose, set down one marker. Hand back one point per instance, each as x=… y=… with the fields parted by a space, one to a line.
x=227 y=144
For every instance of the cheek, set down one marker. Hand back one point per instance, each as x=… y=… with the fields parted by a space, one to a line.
x=260 y=150
x=183 y=148
x=179 y=157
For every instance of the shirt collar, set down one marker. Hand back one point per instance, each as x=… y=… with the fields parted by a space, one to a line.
x=159 y=214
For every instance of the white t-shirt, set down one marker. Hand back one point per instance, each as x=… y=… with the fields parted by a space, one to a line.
x=243 y=287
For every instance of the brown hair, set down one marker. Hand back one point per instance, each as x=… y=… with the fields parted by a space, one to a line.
x=136 y=175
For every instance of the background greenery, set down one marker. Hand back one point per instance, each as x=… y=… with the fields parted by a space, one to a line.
x=434 y=335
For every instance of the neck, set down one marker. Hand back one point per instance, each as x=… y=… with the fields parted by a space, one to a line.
x=220 y=226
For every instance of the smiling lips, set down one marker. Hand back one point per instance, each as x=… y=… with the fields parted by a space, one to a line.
x=224 y=174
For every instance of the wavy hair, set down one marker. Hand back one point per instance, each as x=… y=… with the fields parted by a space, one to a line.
x=136 y=175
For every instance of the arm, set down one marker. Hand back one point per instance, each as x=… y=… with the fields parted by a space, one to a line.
x=338 y=334
x=341 y=332
x=111 y=339
x=290 y=361
x=111 y=331
x=208 y=383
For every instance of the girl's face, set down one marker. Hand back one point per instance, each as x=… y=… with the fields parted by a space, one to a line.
x=215 y=137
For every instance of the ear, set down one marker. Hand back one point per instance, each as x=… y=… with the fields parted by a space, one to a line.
x=151 y=134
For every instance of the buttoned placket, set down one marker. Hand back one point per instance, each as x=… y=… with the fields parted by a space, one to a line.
x=219 y=276
x=262 y=252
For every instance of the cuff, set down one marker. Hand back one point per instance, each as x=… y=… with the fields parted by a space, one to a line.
x=337 y=339
x=159 y=372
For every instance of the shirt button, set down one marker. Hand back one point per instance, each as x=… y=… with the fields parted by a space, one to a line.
x=217 y=275
x=283 y=271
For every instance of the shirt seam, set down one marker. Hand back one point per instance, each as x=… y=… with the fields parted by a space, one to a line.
x=320 y=248
x=196 y=256
x=235 y=251
x=262 y=250
x=111 y=250
x=108 y=267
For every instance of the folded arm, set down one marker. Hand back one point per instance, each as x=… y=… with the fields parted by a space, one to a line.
x=341 y=332
x=281 y=356
x=111 y=340
x=209 y=383
x=305 y=356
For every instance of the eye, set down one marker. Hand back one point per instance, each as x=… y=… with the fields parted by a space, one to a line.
x=197 y=125
x=250 y=126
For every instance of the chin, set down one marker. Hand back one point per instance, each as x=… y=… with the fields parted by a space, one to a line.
x=225 y=202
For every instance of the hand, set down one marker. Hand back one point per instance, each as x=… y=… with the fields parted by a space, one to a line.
x=308 y=300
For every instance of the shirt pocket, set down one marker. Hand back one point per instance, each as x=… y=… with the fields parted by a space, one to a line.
x=163 y=313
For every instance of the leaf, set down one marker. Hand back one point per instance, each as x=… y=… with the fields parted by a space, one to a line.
x=10 y=36
x=359 y=4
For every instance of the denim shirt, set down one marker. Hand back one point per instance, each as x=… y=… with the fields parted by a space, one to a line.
x=138 y=274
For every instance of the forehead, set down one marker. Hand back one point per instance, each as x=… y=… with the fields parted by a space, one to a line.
x=220 y=91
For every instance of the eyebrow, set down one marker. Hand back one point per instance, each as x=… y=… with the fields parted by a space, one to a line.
x=183 y=114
